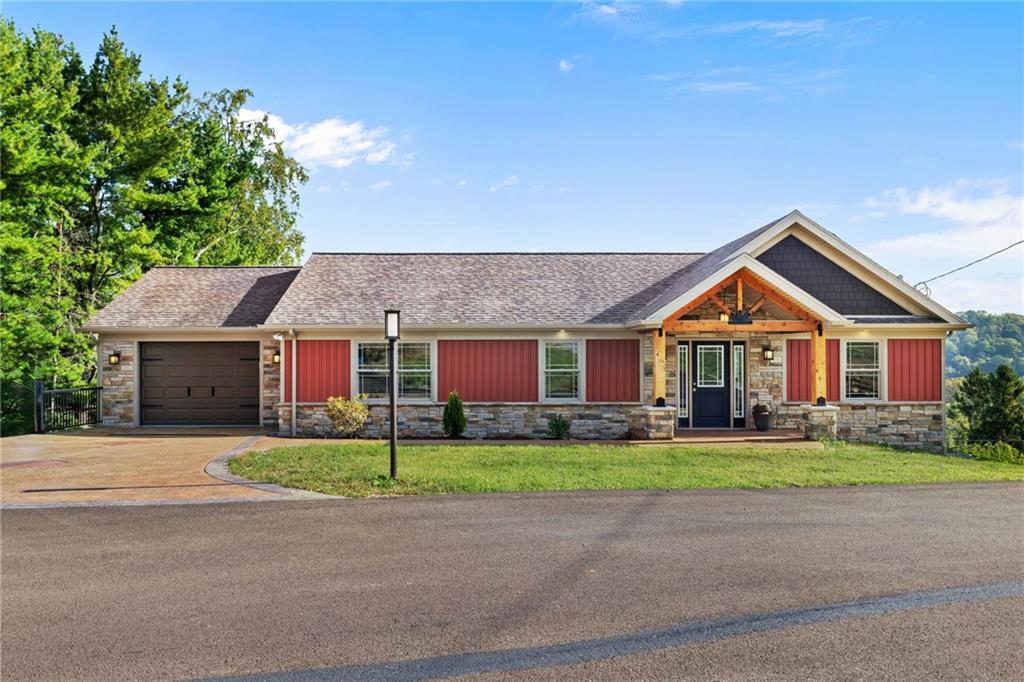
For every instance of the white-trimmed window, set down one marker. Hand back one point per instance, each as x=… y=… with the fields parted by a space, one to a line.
x=413 y=373
x=863 y=376
x=737 y=379
x=683 y=394
x=561 y=370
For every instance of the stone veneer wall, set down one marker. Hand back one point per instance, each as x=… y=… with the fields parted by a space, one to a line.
x=588 y=421
x=118 y=381
x=910 y=425
x=271 y=382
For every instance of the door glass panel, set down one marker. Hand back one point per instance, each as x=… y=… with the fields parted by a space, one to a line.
x=737 y=379
x=683 y=391
x=710 y=366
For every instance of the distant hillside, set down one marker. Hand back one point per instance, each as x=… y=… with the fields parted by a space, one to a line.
x=995 y=340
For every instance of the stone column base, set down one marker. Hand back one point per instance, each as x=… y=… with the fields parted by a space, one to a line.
x=654 y=423
x=821 y=422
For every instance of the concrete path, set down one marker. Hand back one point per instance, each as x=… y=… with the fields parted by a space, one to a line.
x=112 y=466
x=897 y=582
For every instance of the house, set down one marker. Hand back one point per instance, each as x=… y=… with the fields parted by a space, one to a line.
x=640 y=344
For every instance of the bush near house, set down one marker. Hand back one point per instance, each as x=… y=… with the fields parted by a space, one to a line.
x=558 y=427
x=454 y=417
x=347 y=416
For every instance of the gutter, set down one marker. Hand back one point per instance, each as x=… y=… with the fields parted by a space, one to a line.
x=294 y=369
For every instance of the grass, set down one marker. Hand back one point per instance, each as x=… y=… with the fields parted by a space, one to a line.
x=359 y=469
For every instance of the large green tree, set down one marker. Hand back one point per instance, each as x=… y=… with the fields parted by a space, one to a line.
x=106 y=172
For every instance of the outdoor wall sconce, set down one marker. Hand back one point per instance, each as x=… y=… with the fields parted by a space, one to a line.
x=277 y=357
x=723 y=317
x=115 y=358
x=768 y=353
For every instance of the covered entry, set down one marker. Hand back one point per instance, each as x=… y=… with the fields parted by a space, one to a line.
x=199 y=383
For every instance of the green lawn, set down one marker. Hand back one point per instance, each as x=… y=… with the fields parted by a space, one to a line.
x=359 y=469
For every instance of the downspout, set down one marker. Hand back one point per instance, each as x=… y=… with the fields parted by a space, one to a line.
x=295 y=364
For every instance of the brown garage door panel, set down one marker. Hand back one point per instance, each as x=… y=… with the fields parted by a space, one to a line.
x=200 y=383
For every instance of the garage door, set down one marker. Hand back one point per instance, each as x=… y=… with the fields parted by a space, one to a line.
x=200 y=383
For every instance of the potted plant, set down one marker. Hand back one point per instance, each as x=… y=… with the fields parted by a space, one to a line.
x=763 y=417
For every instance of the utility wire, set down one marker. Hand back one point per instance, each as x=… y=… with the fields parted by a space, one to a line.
x=924 y=283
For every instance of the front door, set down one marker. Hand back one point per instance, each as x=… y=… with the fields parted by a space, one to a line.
x=710 y=384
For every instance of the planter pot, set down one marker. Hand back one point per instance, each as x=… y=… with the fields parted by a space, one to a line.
x=763 y=422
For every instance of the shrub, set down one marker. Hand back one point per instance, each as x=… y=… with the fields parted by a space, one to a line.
x=454 y=418
x=996 y=452
x=347 y=416
x=558 y=427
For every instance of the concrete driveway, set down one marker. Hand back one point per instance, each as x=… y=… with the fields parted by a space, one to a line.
x=120 y=466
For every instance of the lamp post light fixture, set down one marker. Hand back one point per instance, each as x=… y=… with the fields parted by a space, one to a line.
x=392 y=332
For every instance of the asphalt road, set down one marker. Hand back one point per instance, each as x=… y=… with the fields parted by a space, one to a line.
x=862 y=583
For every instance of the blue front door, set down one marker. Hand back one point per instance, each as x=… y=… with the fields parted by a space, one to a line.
x=710 y=366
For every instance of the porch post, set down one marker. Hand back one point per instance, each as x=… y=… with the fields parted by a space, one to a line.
x=658 y=387
x=819 y=375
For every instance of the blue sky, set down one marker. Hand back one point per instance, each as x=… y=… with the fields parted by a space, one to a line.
x=624 y=126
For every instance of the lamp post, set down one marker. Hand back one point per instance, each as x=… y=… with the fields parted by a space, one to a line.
x=391 y=333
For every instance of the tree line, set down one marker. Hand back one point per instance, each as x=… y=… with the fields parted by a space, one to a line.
x=106 y=172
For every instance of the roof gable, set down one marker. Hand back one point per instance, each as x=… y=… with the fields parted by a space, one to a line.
x=825 y=280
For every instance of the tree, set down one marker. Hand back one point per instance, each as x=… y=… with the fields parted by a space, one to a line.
x=991 y=406
x=995 y=340
x=107 y=173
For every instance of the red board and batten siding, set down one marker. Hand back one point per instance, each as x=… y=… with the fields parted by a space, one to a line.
x=323 y=370
x=798 y=370
x=915 y=369
x=499 y=371
x=613 y=370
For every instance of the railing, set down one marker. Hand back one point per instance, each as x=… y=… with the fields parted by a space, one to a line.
x=66 y=408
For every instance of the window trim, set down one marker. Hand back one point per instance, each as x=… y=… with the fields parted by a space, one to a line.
x=683 y=379
x=431 y=345
x=581 y=369
x=883 y=371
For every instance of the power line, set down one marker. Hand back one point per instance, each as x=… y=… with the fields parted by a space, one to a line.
x=927 y=289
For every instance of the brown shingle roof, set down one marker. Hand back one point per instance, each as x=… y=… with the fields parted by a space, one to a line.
x=176 y=297
x=477 y=288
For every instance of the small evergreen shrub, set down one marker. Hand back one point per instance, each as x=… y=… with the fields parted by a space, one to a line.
x=347 y=416
x=996 y=452
x=558 y=427
x=454 y=418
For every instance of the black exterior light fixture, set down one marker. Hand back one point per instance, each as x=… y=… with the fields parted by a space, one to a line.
x=114 y=358
x=392 y=332
x=767 y=353
x=277 y=357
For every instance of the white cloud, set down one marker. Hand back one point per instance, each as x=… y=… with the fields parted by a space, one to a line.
x=462 y=182
x=323 y=188
x=769 y=82
x=331 y=142
x=986 y=214
x=383 y=184
x=775 y=29
x=510 y=181
x=565 y=66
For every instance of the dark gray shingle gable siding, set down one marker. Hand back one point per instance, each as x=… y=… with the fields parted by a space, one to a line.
x=825 y=280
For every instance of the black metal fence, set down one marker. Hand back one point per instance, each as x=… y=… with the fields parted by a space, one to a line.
x=66 y=408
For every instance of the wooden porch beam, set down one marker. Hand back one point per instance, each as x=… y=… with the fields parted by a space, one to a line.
x=659 y=382
x=819 y=376
x=757 y=304
x=718 y=304
x=739 y=293
x=695 y=326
